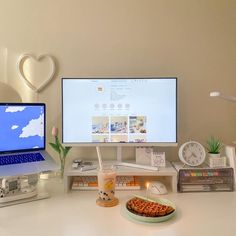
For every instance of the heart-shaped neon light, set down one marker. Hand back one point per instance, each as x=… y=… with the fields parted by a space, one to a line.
x=46 y=81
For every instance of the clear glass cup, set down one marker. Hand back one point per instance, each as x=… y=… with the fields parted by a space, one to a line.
x=106 y=184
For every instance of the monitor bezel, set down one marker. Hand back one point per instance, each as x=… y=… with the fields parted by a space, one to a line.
x=121 y=144
x=28 y=149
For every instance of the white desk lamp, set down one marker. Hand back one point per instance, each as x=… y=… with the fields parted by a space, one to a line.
x=229 y=150
x=219 y=95
x=228 y=98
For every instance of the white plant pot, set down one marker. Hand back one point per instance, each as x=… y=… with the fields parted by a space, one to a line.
x=215 y=160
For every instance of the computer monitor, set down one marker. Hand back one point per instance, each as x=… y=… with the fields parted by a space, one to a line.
x=119 y=111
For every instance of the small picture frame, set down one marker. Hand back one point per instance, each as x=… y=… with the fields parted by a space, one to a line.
x=143 y=155
x=158 y=159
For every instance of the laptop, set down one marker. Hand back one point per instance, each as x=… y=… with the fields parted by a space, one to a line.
x=23 y=139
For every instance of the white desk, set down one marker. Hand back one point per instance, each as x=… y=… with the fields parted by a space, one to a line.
x=76 y=213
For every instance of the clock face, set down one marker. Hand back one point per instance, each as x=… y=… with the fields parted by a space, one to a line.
x=192 y=153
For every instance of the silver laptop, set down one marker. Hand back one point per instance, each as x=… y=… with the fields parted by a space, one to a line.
x=23 y=139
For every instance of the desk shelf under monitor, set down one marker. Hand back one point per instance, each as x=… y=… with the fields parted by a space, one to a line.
x=168 y=173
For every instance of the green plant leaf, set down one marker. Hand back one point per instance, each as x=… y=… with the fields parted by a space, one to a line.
x=58 y=147
x=214 y=145
x=66 y=150
x=57 y=142
x=55 y=147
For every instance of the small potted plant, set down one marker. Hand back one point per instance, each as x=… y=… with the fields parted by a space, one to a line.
x=214 y=146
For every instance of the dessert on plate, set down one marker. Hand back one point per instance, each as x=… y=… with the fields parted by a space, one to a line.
x=148 y=208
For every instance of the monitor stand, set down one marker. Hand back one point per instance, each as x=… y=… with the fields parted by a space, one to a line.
x=119 y=154
x=132 y=165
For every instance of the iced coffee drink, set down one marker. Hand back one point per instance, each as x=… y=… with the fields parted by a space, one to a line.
x=106 y=184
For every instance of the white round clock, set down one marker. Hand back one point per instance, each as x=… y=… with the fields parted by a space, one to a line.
x=192 y=153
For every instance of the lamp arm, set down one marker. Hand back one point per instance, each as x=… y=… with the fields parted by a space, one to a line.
x=219 y=95
x=229 y=98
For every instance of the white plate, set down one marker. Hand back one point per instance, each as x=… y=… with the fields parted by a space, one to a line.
x=153 y=219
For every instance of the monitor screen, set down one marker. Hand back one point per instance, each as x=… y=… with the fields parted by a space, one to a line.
x=22 y=127
x=105 y=111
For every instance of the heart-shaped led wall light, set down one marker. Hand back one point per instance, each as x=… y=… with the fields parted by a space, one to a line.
x=21 y=70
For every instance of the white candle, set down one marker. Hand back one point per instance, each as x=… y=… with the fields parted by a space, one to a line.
x=147 y=185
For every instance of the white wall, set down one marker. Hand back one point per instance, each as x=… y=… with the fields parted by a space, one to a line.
x=194 y=40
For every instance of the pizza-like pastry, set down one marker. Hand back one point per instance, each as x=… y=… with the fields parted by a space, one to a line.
x=148 y=208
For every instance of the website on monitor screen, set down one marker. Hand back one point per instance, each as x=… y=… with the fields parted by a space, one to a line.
x=119 y=110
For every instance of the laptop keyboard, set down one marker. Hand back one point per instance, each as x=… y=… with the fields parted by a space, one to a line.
x=20 y=158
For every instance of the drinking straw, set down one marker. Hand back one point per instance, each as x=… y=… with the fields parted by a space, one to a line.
x=99 y=157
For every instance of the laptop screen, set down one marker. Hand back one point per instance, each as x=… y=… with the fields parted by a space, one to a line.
x=22 y=127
